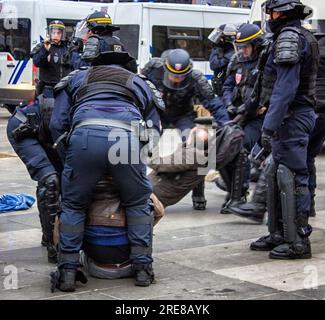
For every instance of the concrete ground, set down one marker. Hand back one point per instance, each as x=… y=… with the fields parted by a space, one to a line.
x=198 y=255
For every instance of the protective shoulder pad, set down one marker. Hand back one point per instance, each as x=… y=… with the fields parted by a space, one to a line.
x=202 y=85
x=36 y=49
x=287 y=50
x=64 y=82
x=156 y=94
x=154 y=63
x=91 y=49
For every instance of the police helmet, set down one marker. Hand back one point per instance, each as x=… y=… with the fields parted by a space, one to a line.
x=57 y=25
x=99 y=21
x=249 y=34
x=225 y=32
x=178 y=67
x=295 y=7
x=81 y=30
x=108 y=50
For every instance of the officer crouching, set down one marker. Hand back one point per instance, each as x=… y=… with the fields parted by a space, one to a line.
x=92 y=104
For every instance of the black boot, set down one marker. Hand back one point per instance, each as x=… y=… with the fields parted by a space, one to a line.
x=221 y=184
x=65 y=279
x=44 y=241
x=238 y=192
x=300 y=249
x=267 y=243
x=143 y=274
x=52 y=255
x=312 y=212
x=254 y=210
x=198 y=198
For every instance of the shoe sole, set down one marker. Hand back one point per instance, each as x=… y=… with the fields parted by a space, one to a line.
x=258 y=220
x=142 y=284
x=260 y=249
x=304 y=256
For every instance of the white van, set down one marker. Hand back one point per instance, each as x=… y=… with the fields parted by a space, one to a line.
x=315 y=22
x=147 y=29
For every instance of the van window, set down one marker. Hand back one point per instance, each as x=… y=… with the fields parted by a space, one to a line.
x=129 y=35
x=317 y=25
x=69 y=25
x=194 y=40
x=16 y=40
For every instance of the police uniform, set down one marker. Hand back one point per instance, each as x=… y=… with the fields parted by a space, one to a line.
x=221 y=54
x=96 y=105
x=52 y=63
x=179 y=103
x=242 y=75
x=318 y=135
x=28 y=133
x=288 y=124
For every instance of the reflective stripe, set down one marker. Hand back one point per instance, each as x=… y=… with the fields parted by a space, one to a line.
x=250 y=37
x=170 y=68
x=132 y=221
x=68 y=228
x=20 y=71
x=138 y=250
x=13 y=74
x=57 y=25
x=101 y=20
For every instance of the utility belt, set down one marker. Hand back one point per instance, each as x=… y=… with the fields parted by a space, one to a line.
x=139 y=128
x=28 y=128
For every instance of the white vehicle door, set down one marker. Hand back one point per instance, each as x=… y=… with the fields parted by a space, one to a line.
x=15 y=46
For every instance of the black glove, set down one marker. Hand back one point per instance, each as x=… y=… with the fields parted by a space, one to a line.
x=232 y=110
x=266 y=140
x=241 y=109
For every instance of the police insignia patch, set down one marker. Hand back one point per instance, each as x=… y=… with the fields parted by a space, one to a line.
x=238 y=78
x=178 y=66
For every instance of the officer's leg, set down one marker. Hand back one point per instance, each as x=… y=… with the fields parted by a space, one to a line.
x=135 y=189
x=256 y=208
x=293 y=184
x=237 y=188
x=275 y=237
x=42 y=170
x=314 y=148
x=295 y=223
x=185 y=124
x=85 y=164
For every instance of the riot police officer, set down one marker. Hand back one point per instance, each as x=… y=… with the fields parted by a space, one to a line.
x=49 y=57
x=242 y=75
x=257 y=207
x=288 y=124
x=79 y=39
x=180 y=84
x=318 y=136
x=103 y=100
x=28 y=133
x=222 y=51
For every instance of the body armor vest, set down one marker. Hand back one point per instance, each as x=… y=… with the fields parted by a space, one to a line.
x=178 y=102
x=107 y=80
x=245 y=76
x=308 y=73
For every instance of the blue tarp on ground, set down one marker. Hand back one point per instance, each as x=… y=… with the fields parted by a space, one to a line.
x=14 y=202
